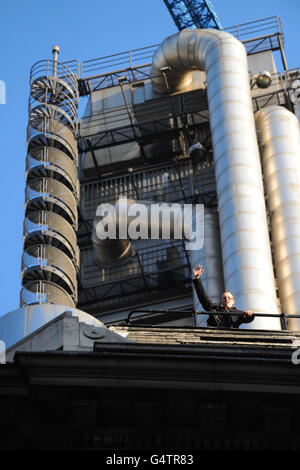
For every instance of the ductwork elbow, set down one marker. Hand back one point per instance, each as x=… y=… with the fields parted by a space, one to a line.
x=188 y=51
x=143 y=219
x=246 y=253
x=108 y=243
x=109 y=250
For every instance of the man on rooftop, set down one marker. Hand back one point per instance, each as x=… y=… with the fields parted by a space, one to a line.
x=226 y=306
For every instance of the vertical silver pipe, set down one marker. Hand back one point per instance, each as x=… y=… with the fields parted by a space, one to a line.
x=295 y=97
x=210 y=257
x=55 y=52
x=278 y=131
x=247 y=262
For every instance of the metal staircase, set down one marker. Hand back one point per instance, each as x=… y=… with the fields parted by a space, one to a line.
x=50 y=259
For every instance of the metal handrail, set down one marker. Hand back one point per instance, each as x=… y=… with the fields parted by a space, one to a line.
x=112 y=188
x=54 y=130
x=50 y=189
x=71 y=71
x=61 y=98
x=127 y=57
x=37 y=113
x=48 y=66
x=50 y=258
x=272 y=23
x=51 y=158
x=50 y=250
x=282 y=316
x=43 y=292
x=107 y=69
x=132 y=57
x=48 y=223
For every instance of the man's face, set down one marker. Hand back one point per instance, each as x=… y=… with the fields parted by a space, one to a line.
x=228 y=299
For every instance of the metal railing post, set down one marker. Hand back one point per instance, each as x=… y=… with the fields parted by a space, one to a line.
x=283 y=319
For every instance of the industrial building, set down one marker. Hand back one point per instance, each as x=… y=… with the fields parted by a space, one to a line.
x=110 y=337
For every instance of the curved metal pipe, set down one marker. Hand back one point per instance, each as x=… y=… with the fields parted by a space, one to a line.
x=117 y=245
x=111 y=249
x=247 y=262
x=278 y=131
x=142 y=219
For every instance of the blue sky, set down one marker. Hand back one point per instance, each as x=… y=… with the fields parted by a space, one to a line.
x=84 y=30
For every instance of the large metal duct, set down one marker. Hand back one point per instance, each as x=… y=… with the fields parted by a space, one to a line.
x=209 y=256
x=295 y=97
x=247 y=262
x=109 y=250
x=278 y=131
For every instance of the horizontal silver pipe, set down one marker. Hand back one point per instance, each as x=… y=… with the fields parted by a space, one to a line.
x=278 y=131
x=113 y=226
x=247 y=262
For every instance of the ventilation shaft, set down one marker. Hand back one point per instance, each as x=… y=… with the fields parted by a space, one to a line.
x=278 y=132
x=247 y=261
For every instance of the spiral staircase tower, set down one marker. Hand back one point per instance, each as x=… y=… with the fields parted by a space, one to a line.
x=50 y=258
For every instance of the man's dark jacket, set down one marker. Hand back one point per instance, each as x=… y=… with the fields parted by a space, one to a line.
x=221 y=321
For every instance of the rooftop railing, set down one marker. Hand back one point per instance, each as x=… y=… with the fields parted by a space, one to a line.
x=150 y=313
x=257 y=36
